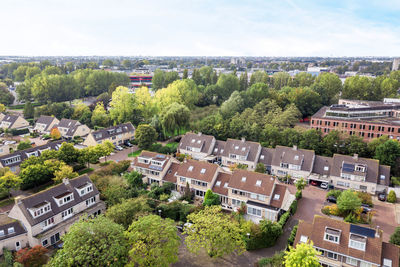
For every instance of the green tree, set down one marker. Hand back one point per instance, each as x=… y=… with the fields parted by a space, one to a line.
x=392 y=198
x=215 y=232
x=281 y=79
x=6 y=98
x=303 y=255
x=134 y=179
x=68 y=153
x=328 y=86
x=93 y=242
x=64 y=172
x=154 y=242
x=234 y=104
x=29 y=110
x=388 y=152
x=145 y=136
x=127 y=64
x=228 y=83
x=303 y=79
x=176 y=117
x=300 y=184
x=185 y=74
x=100 y=116
x=128 y=211
x=24 y=145
x=107 y=63
x=260 y=168
x=395 y=237
x=8 y=180
x=358 y=87
x=211 y=199
x=348 y=201
x=122 y=105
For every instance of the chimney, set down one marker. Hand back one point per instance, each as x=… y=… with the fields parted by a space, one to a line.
x=243 y=139
x=66 y=181
x=199 y=133
x=378 y=231
x=17 y=199
x=355 y=156
x=294 y=147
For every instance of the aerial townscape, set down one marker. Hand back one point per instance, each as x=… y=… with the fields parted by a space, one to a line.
x=171 y=133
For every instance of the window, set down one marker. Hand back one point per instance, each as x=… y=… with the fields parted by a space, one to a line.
x=66 y=214
x=48 y=222
x=303 y=239
x=365 y=264
x=258 y=183
x=203 y=171
x=90 y=201
x=262 y=157
x=11 y=230
x=382 y=177
x=332 y=235
x=351 y=261
x=218 y=183
x=236 y=202
x=182 y=179
x=45 y=242
x=226 y=185
x=41 y=210
x=276 y=197
x=387 y=263
x=190 y=168
x=357 y=242
x=326 y=168
x=254 y=211
x=243 y=179
x=1 y=232
x=331 y=255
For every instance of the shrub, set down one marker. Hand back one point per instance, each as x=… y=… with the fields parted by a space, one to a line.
x=176 y=210
x=335 y=193
x=395 y=237
x=351 y=218
x=8 y=257
x=395 y=180
x=365 y=198
x=15 y=132
x=299 y=194
x=262 y=235
x=392 y=198
x=293 y=207
x=292 y=235
x=164 y=197
x=275 y=261
x=284 y=218
x=35 y=256
x=331 y=210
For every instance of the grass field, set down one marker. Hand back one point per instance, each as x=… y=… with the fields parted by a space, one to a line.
x=134 y=154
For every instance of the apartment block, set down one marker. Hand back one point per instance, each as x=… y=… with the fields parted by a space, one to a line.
x=117 y=135
x=366 y=119
x=47 y=215
x=44 y=124
x=345 y=244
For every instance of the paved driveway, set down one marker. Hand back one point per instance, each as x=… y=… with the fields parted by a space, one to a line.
x=310 y=204
x=121 y=155
x=384 y=217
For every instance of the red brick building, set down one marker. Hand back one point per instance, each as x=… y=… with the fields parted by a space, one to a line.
x=366 y=119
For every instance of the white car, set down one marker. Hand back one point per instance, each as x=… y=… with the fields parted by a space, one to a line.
x=119 y=148
x=324 y=185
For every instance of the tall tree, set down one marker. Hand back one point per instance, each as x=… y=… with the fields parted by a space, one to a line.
x=175 y=117
x=145 y=136
x=303 y=255
x=128 y=211
x=29 y=110
x=93 y=242
x=122 y=105
x=100 y=116
x=348 y=201
x=328 y=86
x=154 y=242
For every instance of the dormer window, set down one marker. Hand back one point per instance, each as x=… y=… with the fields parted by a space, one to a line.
x=277 y=197
x=258 y=183
x=296 y=157
x=40 y=209
x=357 y=242
x=1 y=232
x=203 y=171
x=326 y=168
x=332 y=235
x=11 y=230
x=190 y=168
x=83 y=190
x=262 y=157
x=243 y=179
x=360 y=168
x=64 y=198
x=226 y=185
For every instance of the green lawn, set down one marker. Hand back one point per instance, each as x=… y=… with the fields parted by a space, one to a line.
x=135 y=154
x=6 y=202
x=85 y=171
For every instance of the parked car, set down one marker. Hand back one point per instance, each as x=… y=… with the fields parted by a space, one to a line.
x=365 y=208
x=128 y=144
x=119 y=148
x=382 y=196
x=331 y=199
x=314 y=183
x=324 y=185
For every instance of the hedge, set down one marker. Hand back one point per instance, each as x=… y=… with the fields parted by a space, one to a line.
x=292 y=236
x=15 y=132
x=284 y=218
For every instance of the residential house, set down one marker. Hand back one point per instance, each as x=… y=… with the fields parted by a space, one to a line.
x=71 y=128
x=152 y=165
x=13 y=122
x=13 y=160
x=200 y=176
x=117 y=135
x=7 y=147
x=198 y=146
x=241 y=152
x=45 y=123
x=293 y=162
x=13 y=235
x=345 y=244
x=49 y=214
x=266 y=158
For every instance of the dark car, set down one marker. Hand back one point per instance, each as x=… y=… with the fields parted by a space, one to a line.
x=365 y=208
x=331 y=199
x=128 y=144
x=382 y=196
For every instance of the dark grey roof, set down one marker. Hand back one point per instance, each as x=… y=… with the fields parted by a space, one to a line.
x=266 y=156
x=322 y=165
x=23 y=153
x=219 y=148
x=47 y=120
x=198 y=140
x=16 y=225
x=242 y=148
x=67 y=123
x=385 y=171
x=48 y=196
x=112 y=131
x=293 y=155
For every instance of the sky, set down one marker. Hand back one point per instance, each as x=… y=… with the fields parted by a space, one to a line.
x=200 y=28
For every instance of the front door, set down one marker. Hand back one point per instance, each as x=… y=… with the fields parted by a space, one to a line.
x=54 y=238
x=17 y=245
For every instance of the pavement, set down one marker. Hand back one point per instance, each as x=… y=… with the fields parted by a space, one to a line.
x=118 y=156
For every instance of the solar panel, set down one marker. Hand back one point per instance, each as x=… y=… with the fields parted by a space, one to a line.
x=348 y=167
x=359 y=230
x=160 y=156
x=157 y=168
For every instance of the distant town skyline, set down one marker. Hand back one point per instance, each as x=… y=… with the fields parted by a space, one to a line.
x=200 y=28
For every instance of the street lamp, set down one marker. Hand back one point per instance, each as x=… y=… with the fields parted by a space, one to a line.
x=159 y=212
x=248 y=235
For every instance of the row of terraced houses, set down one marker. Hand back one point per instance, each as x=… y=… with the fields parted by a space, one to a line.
x=341 y=171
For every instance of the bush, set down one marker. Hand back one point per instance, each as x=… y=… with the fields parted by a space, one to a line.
x=299 y=194
x=293 y=207
x=15 y=132
x=351 y=218
x=331 y=210
x=395 y=237
x=284 y=218
x=335 y=193
x=392 y=198
x=262 y=235
x=275 y=261
x=365 y=198
x=292 y=235
x=176 y=210
x=8 y=257
x=395 y=180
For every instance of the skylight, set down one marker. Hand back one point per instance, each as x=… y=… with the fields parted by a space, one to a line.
x=243 y=179
x=262 y=157
x=198 y=141
x=203 y=171
x=193 y=140
x=236 y=147
x=326 y=168
x=226 y=185
x=243 y=148
x=218 y=183
x=258 y=183
x=277 y=197
x=190 y=168
x=296 y=157
x=303 y=239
